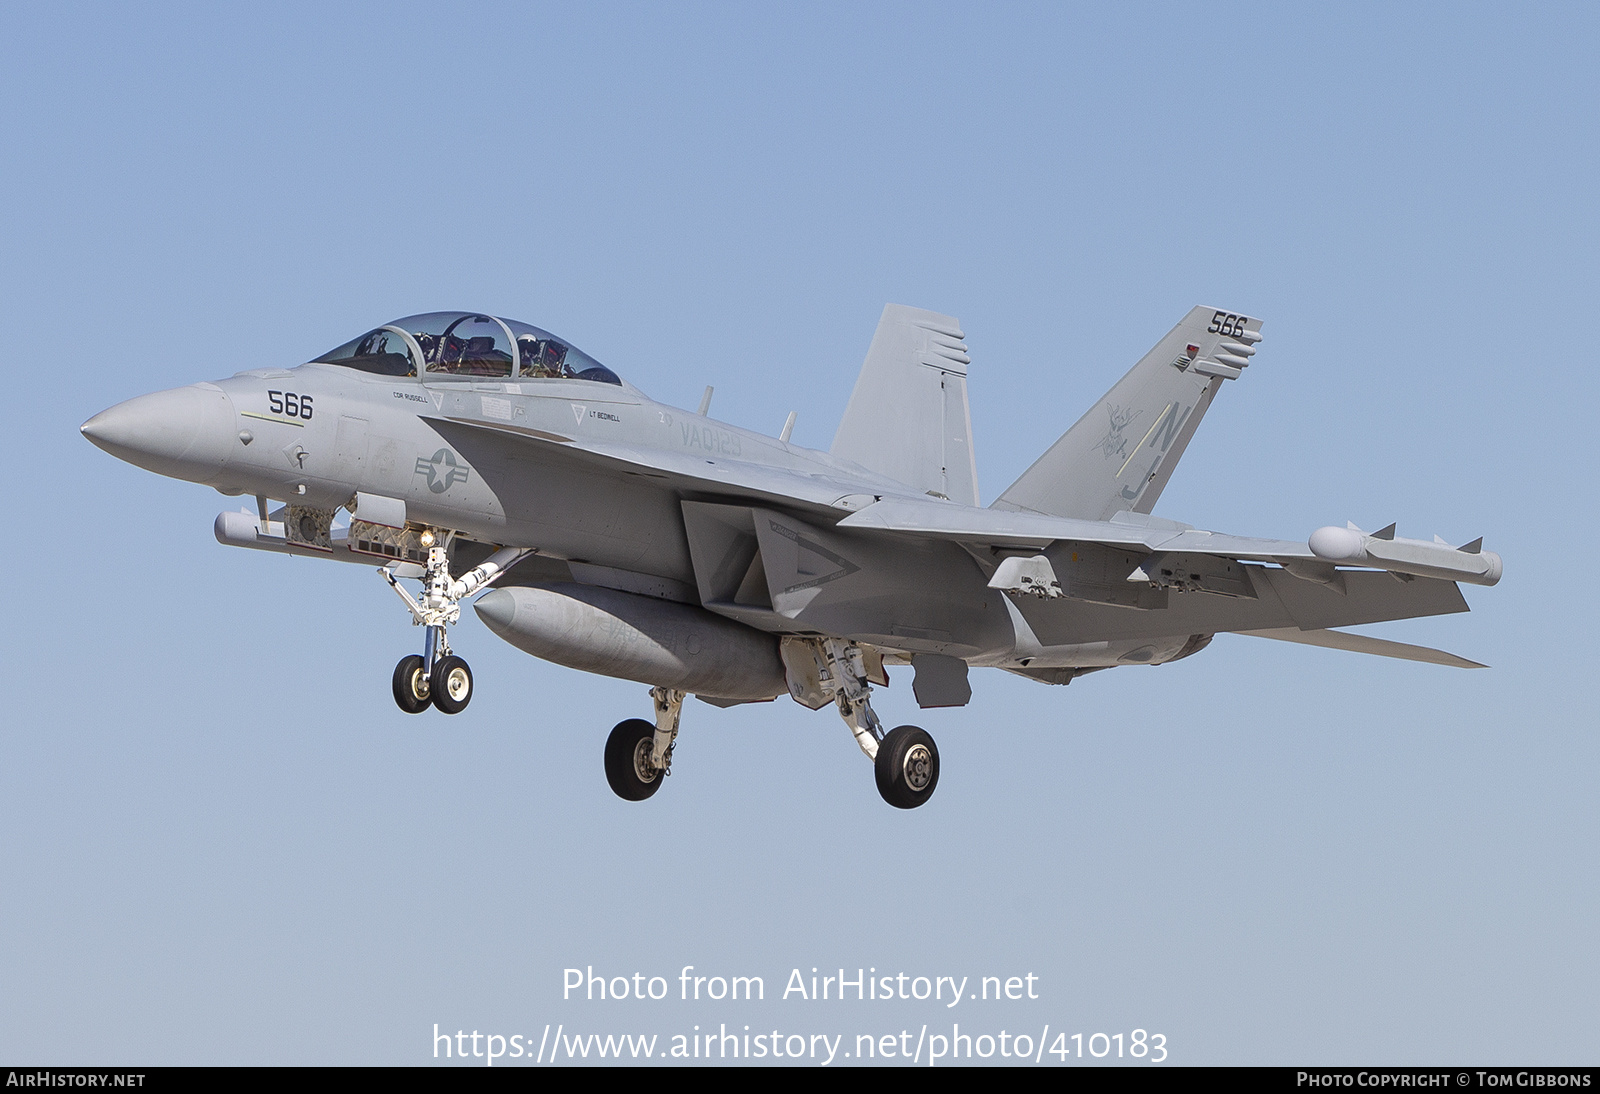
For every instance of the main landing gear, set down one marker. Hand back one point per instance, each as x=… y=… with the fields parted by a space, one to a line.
x=906 y=767
x=905 y=760
x=638 y=755
x=437 y=676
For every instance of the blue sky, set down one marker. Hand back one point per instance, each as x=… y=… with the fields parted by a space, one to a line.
x=224 y=844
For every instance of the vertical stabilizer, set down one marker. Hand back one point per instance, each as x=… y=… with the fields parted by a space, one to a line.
x=1120 y=455
x=908 y=415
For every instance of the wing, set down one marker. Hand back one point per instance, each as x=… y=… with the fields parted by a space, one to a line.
x=1085 y=575
x=1349 y=547
x=999 y=527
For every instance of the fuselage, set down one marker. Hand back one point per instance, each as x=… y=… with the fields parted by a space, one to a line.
x=647 y=543
x=316 y=434
x=582 y=470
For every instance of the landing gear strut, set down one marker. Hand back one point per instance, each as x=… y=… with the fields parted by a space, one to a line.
x=905 y=760
x=438 y=677
x=638 y=754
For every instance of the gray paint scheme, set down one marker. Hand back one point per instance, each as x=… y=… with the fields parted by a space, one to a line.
x=1121 y=453
x=908 y=416
x=613 y=490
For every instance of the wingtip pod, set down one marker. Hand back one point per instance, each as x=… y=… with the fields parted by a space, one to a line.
x=1383 y=550
x=1492 y=574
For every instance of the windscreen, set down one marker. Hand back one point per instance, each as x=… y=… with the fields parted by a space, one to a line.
x=469 y=345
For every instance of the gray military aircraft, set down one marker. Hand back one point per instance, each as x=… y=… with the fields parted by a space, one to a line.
x=614 y=534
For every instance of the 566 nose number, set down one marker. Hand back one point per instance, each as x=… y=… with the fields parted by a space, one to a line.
x=289 y=404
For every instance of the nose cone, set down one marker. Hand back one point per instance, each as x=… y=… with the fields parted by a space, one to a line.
x=184 y=433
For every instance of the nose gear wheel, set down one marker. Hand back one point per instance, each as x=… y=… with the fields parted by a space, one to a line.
x=411 y=689
x=451 y=685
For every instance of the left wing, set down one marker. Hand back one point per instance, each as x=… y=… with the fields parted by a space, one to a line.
x=1085 y=576
x=1001 y=527
x=1315 y=560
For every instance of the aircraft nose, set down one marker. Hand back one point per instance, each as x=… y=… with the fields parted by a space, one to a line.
x=184 y=433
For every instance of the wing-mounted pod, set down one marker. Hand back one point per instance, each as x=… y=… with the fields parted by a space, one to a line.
x=1108 y=574
x=1382 y=550
x=1094 y=572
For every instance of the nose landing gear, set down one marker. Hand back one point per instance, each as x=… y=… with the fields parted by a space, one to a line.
x=411 y=687
x=451 y=685
x=438 y=677
x=446 y=684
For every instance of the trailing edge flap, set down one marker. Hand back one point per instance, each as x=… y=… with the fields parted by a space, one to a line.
x=1360 y=643
x=1282 y=603
x=1122 y=452
x=908 y=415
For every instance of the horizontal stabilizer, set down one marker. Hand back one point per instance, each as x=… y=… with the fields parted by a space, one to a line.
x=1360 y=643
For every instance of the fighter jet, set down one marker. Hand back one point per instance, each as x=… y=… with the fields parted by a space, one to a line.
x=604 y=531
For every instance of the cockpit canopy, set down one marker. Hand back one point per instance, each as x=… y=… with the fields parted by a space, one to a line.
x=467 y=345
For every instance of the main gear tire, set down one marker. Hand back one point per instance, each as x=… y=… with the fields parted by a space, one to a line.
x=451 y=685
x=907 y=768
x=411 y=690
x=628 y=767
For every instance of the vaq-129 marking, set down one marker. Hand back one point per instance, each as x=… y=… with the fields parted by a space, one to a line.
x=613 y=534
